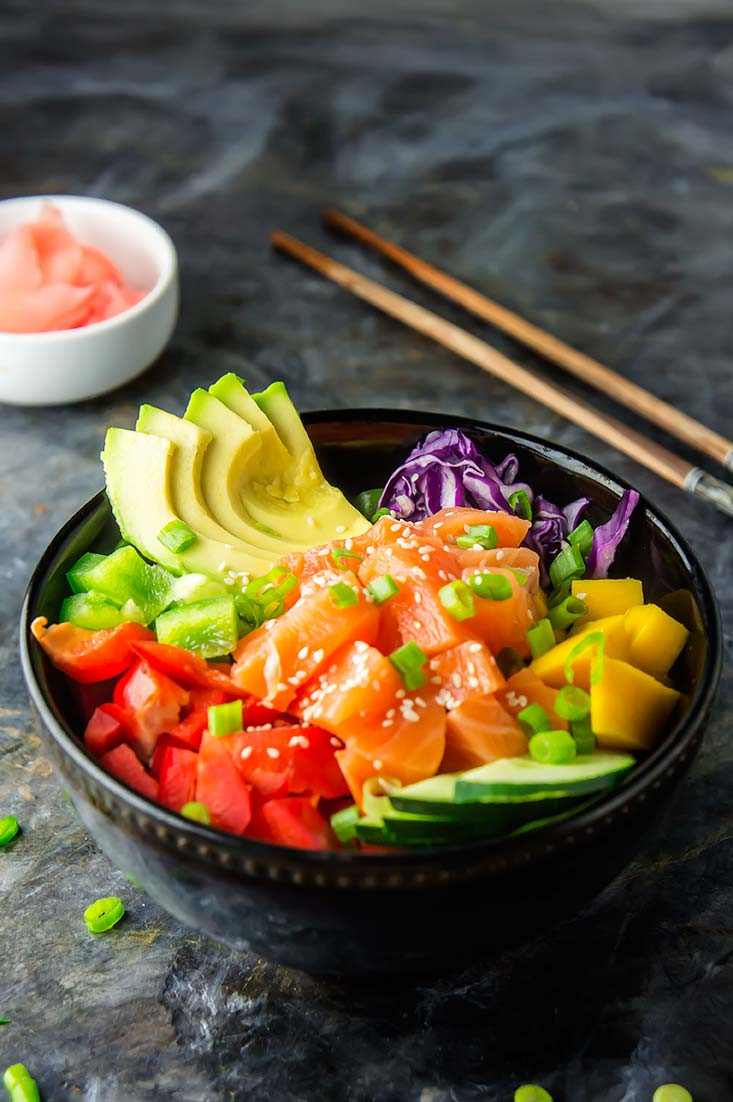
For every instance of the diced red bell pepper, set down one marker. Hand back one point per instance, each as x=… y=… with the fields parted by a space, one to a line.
x=177 y=781
x=221 y=787
x=200 y=699
x=294 y=821
x=154 y=703
x=288 y=759
x=107 y=728
x=187 y=668
x=92 y=695
x=187 y=734
x=88 y=656
x=123 y=763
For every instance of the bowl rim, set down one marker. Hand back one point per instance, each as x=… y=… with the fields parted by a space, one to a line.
x=678 y=748
x=166 y=277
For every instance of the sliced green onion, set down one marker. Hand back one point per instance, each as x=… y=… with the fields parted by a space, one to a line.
x=343 y=823
x=382 y=589
x=278 y=579
x=8 y=829
x=343 y=595
x=104 y=914
x=531 y=1092
x=264 y=597
x=572 y=702
x=367 y=502
x=594 y=639
x=225 y=719
x=176 y=536
x=197 y=811
x=409 y=660
x=582 y=732
x=479 y=535
x=671 y=1092
x=492 y=587
x=381 y=513
x=564 y=615
x=568 y=564
x=521 y=505
x=558 y=595
x=457 y=600
x=582 y=538
x=541 y=638
x=552 y=747
x=509 y=661
x=5 y=1021
x=534 y=719
x=339 y=553
x=20 y=1085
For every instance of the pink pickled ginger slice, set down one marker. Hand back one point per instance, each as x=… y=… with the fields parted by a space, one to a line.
x=41 y=309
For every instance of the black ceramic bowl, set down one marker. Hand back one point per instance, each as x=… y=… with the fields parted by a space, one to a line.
x=406 y=911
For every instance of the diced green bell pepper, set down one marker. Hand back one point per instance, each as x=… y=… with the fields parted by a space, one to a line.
x=209 y=628
x=194 y=587
x=90 y=610
x=77 y=577
x=125 y=576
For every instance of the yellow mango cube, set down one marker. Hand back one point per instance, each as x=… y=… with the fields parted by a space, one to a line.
x=655 y=639
x=629 y=708
x=550 y=667
x=607 y=596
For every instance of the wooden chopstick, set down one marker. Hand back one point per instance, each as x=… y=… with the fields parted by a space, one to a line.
x=647 y=452
x=622 y=390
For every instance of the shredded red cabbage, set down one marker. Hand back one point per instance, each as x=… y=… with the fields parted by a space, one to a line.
x=447 y=469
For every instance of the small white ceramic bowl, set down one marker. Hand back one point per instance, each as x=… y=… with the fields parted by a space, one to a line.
x=69 y=365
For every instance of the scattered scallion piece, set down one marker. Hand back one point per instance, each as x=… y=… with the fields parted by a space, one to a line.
x=4 y=1021
x=552 y=747
x=582 y=732
x=558 y=595
x=594 y=639
x=521 y=505
x=381 y=513
x=572 y=702
x=8 y=829
x=521 y=577
x=264 y=597
x=176 y=536
x=479 y=535
x=20 y=1085
x=563 y=615
x=671 y=1092
x=492 y=587
x=509 y=661
x=197 y=811
x=343 y=595
x=382 y=589
x=104 y=914
x=340 y=553
x=343 y=823
x=225 y=719
x=409 y=660
x=582 y=537
x=533 y=719
x=541 y=638
x=566 y=565
x=457 y=600
x=367 y=502
x=531 y=1092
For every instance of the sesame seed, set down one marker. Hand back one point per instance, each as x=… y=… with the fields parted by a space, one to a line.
x=246 y=752
x=473 y=683
x=273 y=752
x=416 y=624
x=340 y=528
x=336 y=742
x=418 y=598
x=303 y=653
x=377 y=763
x=499 y=555
x=456 y=679
x=474 y=647
x=348 y=544
x=426 y=549
x=310 y=520
x=388 y=723
x=581 y=596
x=420 y=702
x=438 y=525
x=229 y=581
x=425 y=558
x=442 y=574
x=376 y=686
x=437 y=680
x=222 y=566
x=390 y=713
x=394 y=527
x=318 y=655
x=400 y=694
x=522 y=701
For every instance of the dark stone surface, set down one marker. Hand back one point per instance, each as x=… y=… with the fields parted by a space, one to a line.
x=575 y=163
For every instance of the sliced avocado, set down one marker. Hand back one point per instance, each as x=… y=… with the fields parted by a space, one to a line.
x=137 y=467
x=191 y=443
x=288 y=487
x=228 y=466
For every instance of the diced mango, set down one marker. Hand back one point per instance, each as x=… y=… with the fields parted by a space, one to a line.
x=550 y=668
x=607 y=596
x=629 y=708
x=655 y=639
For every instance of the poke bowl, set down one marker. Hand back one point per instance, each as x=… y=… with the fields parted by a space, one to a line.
x=373 y=906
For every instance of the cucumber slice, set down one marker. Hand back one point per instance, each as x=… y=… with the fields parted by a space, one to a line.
x=524 y=777
x=483 y=818
x=371 y=831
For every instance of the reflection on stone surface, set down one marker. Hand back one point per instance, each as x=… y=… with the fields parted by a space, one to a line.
x=575 y=166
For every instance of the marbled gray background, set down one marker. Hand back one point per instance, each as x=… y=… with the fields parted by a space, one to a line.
x=574 y=160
